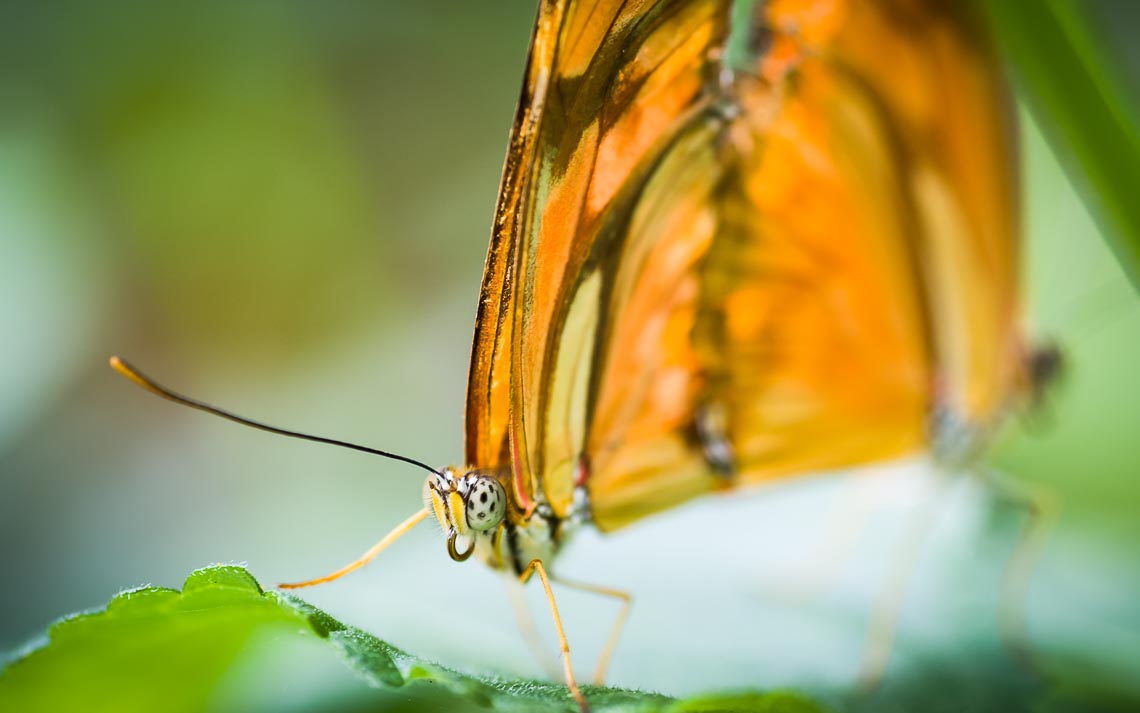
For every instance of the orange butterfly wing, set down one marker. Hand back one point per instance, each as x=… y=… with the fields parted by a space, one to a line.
x=605 y=82
x=926 y=63
x=694 y=282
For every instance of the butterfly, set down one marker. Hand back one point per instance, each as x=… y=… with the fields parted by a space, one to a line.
x=731 y=245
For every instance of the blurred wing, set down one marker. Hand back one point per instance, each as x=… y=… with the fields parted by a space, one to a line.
x=608 y=86
x=929 y=65
x=928 y=72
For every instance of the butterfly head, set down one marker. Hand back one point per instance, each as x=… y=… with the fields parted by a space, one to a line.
x=465 y=506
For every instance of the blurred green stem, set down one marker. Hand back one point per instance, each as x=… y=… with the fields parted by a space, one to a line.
x=1072 y=82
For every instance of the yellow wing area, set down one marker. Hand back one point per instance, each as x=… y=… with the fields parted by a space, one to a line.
x=700 y=277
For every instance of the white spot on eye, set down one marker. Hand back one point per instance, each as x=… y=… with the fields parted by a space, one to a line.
x=486 y=504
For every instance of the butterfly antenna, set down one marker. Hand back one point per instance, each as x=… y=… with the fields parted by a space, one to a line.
x=150 y=385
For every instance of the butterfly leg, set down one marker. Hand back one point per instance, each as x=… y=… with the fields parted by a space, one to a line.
x=525 y=621
x=399 y=531
x=1041 y=507
x=536 y=567
x=885 y=617
x=618 y=626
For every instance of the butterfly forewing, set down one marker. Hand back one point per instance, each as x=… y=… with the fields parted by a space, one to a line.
x=614 y=83
x=488 y=385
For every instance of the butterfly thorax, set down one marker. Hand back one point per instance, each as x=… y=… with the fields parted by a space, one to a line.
x=479 y=517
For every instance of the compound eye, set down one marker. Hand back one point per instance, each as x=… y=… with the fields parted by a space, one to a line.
x=486 y=504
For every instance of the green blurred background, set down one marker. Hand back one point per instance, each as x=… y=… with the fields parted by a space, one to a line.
x=283 y=208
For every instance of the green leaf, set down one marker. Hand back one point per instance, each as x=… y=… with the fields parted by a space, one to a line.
x=159 y=649
x=773 y=702
x=1071 y=77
